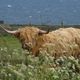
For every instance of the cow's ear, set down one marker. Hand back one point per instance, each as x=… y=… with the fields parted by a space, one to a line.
x=41 y=32
x=17 y=34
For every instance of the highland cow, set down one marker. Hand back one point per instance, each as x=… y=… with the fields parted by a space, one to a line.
x=64 y=41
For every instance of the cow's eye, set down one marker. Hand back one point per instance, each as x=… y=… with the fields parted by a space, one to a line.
x=17 y=34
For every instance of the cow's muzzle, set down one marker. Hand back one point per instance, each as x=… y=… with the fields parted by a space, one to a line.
x=26 y=46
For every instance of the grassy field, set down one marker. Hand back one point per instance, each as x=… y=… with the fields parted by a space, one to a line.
x=16 y=64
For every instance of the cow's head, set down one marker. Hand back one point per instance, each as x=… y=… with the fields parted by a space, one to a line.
x=26 y=36
x=40 y=39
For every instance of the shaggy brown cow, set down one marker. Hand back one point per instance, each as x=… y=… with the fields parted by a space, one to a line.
x=64 y=41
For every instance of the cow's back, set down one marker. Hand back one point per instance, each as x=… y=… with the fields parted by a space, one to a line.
x=62 y=41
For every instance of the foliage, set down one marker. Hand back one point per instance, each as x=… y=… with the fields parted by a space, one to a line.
x=16 y=64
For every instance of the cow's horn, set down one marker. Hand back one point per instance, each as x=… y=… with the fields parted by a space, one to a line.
x=8 y=31
x=43 y=32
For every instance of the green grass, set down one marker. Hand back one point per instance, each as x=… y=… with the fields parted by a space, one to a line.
x=10 y=41
x=17 y=64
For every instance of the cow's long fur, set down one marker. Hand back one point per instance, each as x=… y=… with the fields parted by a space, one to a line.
x=27 y=35
x=64 y=41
